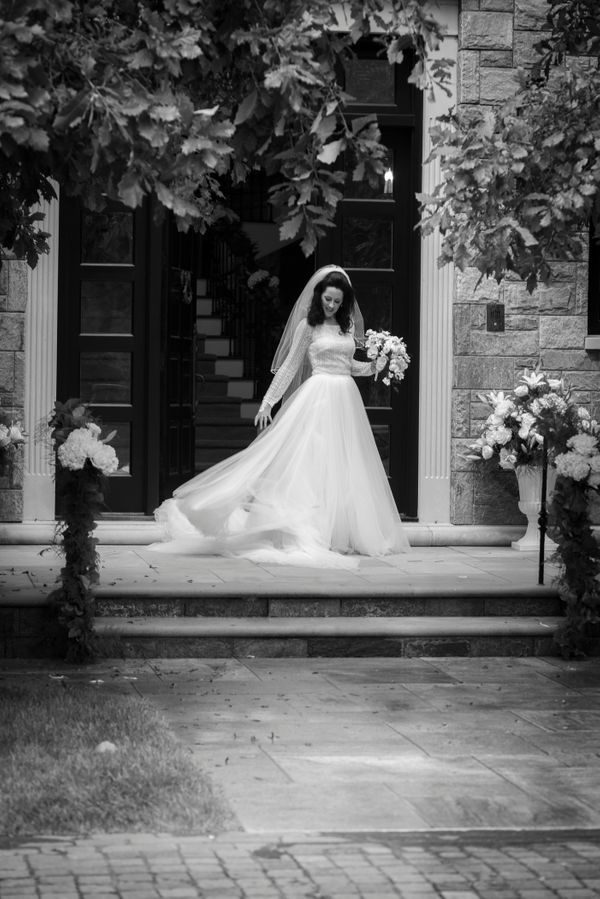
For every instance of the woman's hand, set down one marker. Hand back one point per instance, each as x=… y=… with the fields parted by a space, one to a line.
x=263 y=418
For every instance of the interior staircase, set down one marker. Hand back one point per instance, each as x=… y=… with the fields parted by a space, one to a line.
x=225 y=403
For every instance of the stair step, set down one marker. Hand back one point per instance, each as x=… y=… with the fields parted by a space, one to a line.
x=249 y=409
x=219 y=346
x=206 y=363
x=233 y=368
x=211 y=386
x=204 y=306
x=222 y=430
x=206 y=458
x=209 y=326
x=243 y=389
x=269 y=601
x=408 y=626
x=217 y=637
x=219 y=442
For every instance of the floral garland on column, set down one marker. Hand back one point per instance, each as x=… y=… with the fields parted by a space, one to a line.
x=12 y=438
x=83 y=461
x=578 y=481
x=542 y=409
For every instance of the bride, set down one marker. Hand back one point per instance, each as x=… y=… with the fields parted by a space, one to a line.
x=311 y=488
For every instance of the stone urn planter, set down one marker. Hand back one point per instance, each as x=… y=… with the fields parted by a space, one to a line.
x=529 y=479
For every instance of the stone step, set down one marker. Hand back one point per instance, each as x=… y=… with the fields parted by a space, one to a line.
x=194 y=600
x=218 y=637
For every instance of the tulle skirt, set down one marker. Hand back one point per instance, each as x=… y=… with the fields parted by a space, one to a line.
x=310 y=490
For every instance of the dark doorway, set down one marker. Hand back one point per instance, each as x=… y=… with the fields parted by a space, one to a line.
x=376 y=242
x=125 y=343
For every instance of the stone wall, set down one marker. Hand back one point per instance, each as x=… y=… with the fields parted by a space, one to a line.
x=13 y=302
x=550 y=326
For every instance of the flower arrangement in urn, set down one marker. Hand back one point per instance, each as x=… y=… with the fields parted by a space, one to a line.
x=83 y=461
x=541 y=411
x=513 y=433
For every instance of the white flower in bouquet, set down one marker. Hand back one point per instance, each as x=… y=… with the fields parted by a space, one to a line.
x=527 y=423
x=4 y=437
x=389 y=354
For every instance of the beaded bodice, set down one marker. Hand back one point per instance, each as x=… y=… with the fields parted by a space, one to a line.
x=328 y=351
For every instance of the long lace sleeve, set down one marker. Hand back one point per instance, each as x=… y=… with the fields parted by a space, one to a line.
x=284 y=376
x=361 y=369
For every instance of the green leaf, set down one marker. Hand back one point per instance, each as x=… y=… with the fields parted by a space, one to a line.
x=130 y=190
x=331 y=151
x=290 y=227
x=246 y=108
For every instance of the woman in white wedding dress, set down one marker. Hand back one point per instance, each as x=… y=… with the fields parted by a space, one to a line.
x=311 y=489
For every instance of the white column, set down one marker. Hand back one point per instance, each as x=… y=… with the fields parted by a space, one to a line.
x=40 y=374
x=437 y=288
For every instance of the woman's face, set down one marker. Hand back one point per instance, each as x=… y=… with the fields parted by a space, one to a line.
x=331 y=300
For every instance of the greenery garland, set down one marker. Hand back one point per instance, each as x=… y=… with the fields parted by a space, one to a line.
x=578 y=552
x=82 y=463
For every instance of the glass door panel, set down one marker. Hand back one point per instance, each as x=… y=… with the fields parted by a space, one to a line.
x=106 y=307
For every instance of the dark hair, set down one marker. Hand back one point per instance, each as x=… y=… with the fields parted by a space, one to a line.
x=316 y=316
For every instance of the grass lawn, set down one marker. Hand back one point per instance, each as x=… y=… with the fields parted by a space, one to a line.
x=53 y=781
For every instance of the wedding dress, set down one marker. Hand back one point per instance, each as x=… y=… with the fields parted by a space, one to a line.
x=311 y=488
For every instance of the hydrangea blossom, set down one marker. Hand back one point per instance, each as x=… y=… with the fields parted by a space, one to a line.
x=582 y=460
x=83 y=445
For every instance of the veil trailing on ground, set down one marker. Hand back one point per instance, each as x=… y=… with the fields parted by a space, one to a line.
x=300 y=312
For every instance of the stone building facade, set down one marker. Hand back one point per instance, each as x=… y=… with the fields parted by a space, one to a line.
x=550 y=326
x=459 y=357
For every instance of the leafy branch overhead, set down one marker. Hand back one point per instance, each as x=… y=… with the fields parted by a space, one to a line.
x=128 y=99
x=520 y=183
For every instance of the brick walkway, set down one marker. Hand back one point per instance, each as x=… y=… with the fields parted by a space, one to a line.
x=489 y=865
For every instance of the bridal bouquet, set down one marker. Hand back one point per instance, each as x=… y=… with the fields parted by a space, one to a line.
x=389 y=354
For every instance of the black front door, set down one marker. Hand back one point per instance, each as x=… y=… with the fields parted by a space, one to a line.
x=375 y=241
x=124 y=344
x=177 y=376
